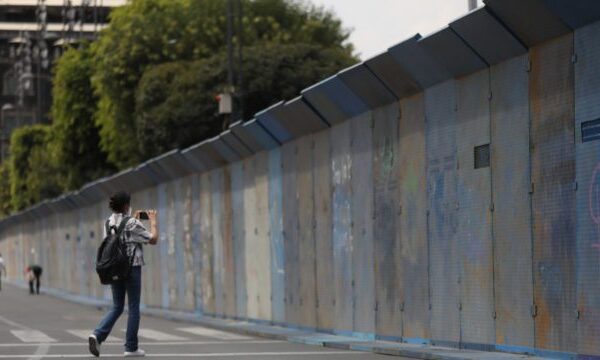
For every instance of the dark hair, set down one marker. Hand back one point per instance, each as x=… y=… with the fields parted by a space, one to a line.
x=119 y=201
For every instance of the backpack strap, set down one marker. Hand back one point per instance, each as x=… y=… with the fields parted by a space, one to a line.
x=122 y=225
x=107 y=227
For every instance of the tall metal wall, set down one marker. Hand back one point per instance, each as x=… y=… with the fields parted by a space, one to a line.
x=437 y=193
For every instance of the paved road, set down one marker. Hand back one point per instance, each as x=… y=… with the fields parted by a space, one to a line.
x=44 y=327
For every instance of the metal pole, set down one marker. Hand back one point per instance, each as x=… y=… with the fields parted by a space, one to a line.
x=230 y=60
x=472 y=4
x=240 y=78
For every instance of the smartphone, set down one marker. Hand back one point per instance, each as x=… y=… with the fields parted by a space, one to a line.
x=143 y=215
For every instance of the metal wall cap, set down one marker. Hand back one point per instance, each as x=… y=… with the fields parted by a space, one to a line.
x=224 y=150
x=530 y=20
x=174 y=164
x=488 y=37
x=367 y=86
x=260 y=135
x=237 y=128
x=451 y=51
x=575 y=13
x=276 y=126
x=235 y=143
x=300 y=118
x=334 y=101
x=417 y=62
x=393 y=75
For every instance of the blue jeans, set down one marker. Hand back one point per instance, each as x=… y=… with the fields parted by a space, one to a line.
x=133 y=288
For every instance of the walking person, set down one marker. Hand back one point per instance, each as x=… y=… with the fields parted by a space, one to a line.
x=36 y=271
x=30 y=278
x=2 y=270
x=134 y=234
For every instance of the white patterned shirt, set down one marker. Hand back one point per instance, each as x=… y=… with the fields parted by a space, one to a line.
x=135 y=235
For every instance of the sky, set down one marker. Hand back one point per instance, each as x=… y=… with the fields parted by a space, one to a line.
x=379 y=24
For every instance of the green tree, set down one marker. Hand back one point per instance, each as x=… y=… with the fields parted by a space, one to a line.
x=32 y=174
x=176 y=104
x=150 y=32
x=5 y=202
x=75 y=136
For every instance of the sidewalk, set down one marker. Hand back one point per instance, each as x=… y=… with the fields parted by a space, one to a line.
x=307 y=337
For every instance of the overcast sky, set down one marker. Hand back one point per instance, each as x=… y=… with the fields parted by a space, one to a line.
x=378 y=24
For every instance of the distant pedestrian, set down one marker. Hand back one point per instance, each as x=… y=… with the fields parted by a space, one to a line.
x=2 y=270
x=132 y=232
x=33 y=274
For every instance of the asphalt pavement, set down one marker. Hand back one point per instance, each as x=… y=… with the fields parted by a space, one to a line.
x=45 y=327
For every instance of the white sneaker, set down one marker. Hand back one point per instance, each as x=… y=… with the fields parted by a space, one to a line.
x=137 y=353
x=94 y=345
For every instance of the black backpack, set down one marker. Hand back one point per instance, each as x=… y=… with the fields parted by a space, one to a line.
x=112 y=262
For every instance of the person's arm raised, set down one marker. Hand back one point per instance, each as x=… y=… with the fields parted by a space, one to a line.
x=153 y=226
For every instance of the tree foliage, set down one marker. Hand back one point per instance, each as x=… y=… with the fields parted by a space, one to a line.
x=75 y=136
x=5 y=202
x=32 y=176
x=148 y=85
x=150 y=32
x=176 y=104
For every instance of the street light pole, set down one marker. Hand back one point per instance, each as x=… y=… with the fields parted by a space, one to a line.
x=3 y=140
x=472 y=4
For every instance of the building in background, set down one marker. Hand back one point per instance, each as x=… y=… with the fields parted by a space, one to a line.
x=33 y=34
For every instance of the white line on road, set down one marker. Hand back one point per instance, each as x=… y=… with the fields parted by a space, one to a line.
x=157 y=335
x=12 y=323
x=214 y=334
x=161 y=343
x=84 y=334
x=32 y=336
x=41 y=350
x=236 y=355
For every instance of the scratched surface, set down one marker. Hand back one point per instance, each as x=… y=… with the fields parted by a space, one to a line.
x=249 y=223
x=306 y=237
x=290 y=233
x=413 y=219
x=474 y=232
x=188 y=253
x=207 y=266
x=216 y=192
x=263 y=242
x=341 y=164
x=227 y=238
x=440 y=110
x=323 y=231
x=553 y=175
x=180 y=242
x=195 y=222
x=163 y=243
x=511 y=181
x=362 y=224
x=171 y=260
x=276 y=237
x=241 y=187
x=386 y=172
x=587 y=107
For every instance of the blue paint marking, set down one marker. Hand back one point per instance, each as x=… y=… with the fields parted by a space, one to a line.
x=277 y=246
x=164 y=246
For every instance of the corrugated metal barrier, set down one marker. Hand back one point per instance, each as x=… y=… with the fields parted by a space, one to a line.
x=444 y=192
